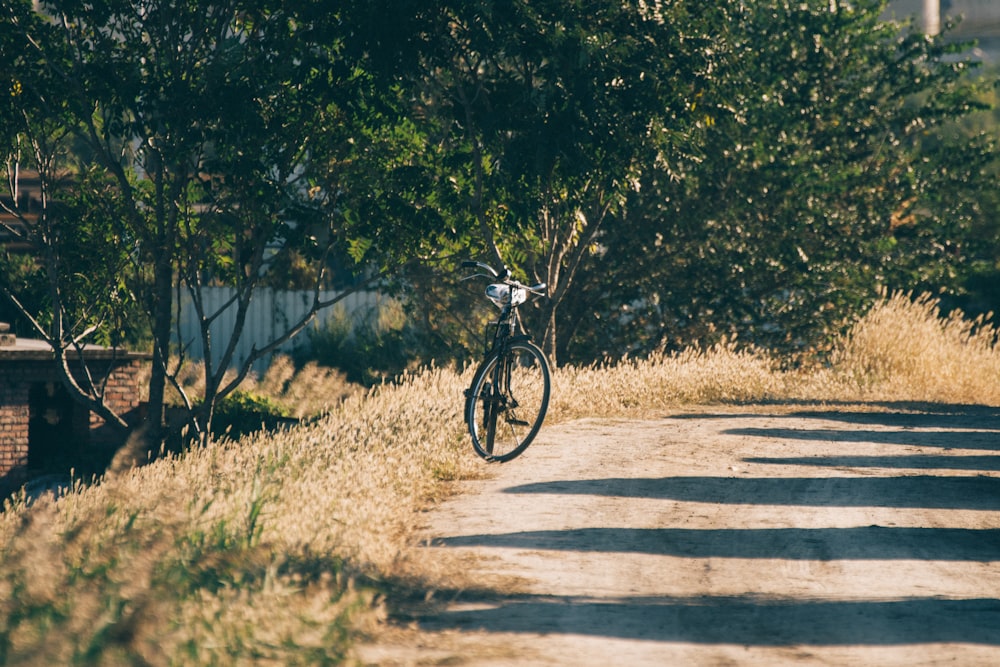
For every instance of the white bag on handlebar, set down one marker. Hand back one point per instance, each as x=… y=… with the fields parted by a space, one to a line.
x=501 y=294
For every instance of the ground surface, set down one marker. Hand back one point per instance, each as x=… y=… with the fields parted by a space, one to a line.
x=858 y=535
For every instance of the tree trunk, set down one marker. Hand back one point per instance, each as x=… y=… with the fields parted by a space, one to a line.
x=549 y=340
x=162 y=310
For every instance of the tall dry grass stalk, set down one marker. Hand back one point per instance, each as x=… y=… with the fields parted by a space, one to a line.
x=305 y=391
x=721 y=374
x=905 y=349
x=272 y=550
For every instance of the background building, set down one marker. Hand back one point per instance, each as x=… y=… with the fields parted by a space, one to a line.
x=980 y=20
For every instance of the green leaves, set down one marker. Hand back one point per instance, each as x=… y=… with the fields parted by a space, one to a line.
x=779 y=212
x=681 y=170
x=357 y=248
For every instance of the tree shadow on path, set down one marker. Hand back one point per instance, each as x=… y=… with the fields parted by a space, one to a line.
x=903 y=415
x=924 y=491
x=753 y=620
x=737 y=620
x=821 y=544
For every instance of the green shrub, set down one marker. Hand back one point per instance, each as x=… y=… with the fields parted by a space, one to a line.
x=375 y=345
x=243 y=412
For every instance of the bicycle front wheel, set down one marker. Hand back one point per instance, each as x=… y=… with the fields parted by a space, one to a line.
x=508 y=400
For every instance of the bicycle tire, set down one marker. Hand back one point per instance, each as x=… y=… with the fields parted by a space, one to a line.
x=507 y=401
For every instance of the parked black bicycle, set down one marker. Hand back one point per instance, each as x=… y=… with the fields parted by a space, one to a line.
x=506 y=403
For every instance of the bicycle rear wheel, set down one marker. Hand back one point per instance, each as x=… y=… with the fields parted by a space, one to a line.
x=508 y=400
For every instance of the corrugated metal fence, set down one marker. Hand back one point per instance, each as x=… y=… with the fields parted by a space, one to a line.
x=270 y=314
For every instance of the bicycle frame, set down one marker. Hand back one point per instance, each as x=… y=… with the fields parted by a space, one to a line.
x=503 y=330
x=503 y=334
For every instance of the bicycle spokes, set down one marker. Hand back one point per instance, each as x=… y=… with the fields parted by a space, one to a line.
x=509 y=396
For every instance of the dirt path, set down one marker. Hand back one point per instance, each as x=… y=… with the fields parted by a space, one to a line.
x=762 y=536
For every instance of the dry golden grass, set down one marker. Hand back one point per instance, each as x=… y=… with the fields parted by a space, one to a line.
x=277 y=549
x=721 y=374
x=305 y=391
x=904 y=349
x=234 y=552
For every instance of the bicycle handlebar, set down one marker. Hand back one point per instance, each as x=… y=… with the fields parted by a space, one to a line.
x=469 y=264
x=503 y=275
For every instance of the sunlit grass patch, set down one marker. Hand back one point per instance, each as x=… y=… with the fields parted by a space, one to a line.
x=283 y=547
x=905 y=349
x=721 y=374
x=269 y=548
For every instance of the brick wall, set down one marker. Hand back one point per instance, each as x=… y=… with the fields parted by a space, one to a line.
x=13 y=418
x=122 y=396
x=91 y=437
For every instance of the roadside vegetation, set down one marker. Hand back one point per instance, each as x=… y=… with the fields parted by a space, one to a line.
x=287 y=546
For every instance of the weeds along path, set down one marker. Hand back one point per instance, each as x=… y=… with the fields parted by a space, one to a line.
x=857 y=536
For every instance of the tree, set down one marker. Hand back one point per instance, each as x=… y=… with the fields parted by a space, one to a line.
x=815 y=183
x=71 y=292
x=542 y=113
x=211 y=139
